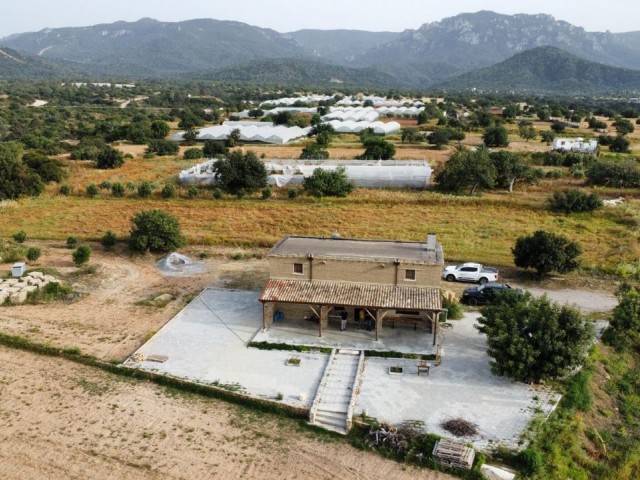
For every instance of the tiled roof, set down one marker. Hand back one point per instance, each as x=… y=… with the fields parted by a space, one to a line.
x=352 y=294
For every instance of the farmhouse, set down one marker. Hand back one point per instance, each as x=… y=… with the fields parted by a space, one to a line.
x=344 y=282
x=574 y=145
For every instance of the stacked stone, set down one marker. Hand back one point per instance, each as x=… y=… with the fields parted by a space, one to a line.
x=17 y=289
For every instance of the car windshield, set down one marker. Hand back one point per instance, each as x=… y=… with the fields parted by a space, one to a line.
x=480 y=288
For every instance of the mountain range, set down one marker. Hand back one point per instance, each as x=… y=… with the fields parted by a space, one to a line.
x=436 y=54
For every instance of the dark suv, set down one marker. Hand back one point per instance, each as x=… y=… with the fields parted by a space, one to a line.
x=485 y=293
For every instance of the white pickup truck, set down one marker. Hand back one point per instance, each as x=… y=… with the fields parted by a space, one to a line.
x=470 y=272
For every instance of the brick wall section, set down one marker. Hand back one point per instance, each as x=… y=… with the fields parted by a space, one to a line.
x=355 y=270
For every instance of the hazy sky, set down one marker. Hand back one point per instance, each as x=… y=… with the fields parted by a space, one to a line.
x=17 y=16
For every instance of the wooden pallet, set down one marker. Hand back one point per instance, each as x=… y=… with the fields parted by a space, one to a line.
x=452 y=453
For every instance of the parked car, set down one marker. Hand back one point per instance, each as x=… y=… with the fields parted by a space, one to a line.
x=470 y=272
x=486 y=293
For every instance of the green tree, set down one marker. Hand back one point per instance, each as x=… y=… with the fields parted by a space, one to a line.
x=16 y=178
x=621 y=174
x=619 y=144
x=527 y=132
x=108 y=240
x=81 y=255
x=467 y=170
x=439 y=137
x=547 y=136
x=328 y=183
x=557 y=126
x=190 y=136
x=155 y=230
x=109 y=157
x=377 y=148
x=159 y=129
x=623 y=126
x=49 y=169
x=33 y=254
x=213 y=148
x=313 y=151
x=411 y=135
x=233 y=137
x=510 y=167
x=192 y=154
x=546 y=252
x=240 y=171
x=496 y=136
x=532 y=339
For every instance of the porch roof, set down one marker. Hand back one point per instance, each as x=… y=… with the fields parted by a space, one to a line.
x=346 y=294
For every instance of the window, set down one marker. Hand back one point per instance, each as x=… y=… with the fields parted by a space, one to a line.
x=298 y=268
x=469 y=269
x=410 y=275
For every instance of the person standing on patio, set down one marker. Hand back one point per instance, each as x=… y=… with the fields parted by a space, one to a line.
x=343 y=321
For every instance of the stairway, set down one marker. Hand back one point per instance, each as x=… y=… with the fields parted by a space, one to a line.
x=333 y=405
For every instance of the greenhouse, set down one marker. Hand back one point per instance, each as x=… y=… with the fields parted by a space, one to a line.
x=366 y=114
x=288 y=101
x=263 y=132
x=379 y=128
x=362 y=173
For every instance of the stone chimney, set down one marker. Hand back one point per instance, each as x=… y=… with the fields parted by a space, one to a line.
x=431 y=242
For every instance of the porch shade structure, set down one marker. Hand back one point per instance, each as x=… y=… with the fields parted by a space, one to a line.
x=383 y=299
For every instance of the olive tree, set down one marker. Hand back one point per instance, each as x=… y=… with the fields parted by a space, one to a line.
x=240 y=172
x=532 y=339
x=546 y=252
x=155 y=230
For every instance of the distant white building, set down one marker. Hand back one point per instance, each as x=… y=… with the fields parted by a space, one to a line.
x=574 y=145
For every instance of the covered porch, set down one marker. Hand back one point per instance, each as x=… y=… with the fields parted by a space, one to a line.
x=322 y=305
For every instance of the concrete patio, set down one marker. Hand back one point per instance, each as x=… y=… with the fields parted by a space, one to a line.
x=207 y=343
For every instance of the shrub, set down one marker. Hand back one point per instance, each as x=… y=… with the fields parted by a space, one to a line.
x=49 y=169
x=574 y=201
x=620 y=144
x=33 y=254
x=546 y=252
x=623 y=174
x=328 y=183
x=117 y=190
x=266 y=193
x=292 y=193
x=529 y=461
x=377 y=148
x=241 y=172
x=192 y=191
x=106 y=185
x=145 y=189
x=192 y=154
x=20 y=236
x=81 y=255
x=314 y=151
x=92 y=190
x=108 y=240
x=554 y=174
x=72 y=242
x=168 y=191
x=130 y=186
x=217 y=193
x=163 y=147
x=65 y=190
x=240 y=193
x=213 y=148
x=109 y=157
x=496 y=136
x=567 y=159
x=155 y=230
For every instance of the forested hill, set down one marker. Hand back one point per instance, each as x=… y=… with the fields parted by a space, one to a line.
x=15 y=65
x=548 y=70
x=307 y=73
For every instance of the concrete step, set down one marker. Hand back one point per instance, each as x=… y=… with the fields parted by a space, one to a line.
x=332 y=428
x=338 y=422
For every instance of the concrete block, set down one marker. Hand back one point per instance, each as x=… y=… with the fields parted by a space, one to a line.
x=29 y=288
x=11 y=282
x=3 y=296
x=35 y=274
x=18 y=297
x=49 y=278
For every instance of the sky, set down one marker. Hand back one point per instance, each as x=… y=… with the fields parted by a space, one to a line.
x=18 y=16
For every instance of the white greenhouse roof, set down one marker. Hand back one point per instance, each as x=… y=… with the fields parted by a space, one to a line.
x=292 y=100
x=264 y=132
x=350 y=126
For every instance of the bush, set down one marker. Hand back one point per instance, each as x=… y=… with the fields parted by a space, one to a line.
x=266 y=193
x=313 y=151
x=546 y=252
x=192 y=191
x=92 y=190
x=155 y=230
x=81 y=255
x=292 y=193
x=163 y=147
x=49 y=169
x=65 y=190
x=105 y=185
x=623 y=174
x=567 y=159
x=168 y=191
x=217 y=193
x=145 y=189
x=554 y=174
x=214 y=148
x=328 y=183
x=574 y=201
x=20 y=236
x=620 y=144
x=192 y=154
x=108 y=240
x=72 y=242
x=33 y=254
x=529 y=461
x=496 y=136
x=117 y=190
x=377 y=148
x=109 y=157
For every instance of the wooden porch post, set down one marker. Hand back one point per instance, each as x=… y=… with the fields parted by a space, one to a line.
x=435 y=316
x=324 y=317
x=267 y=314
x=380 y=314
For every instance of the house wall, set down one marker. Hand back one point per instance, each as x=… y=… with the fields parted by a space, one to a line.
x=359 y=271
